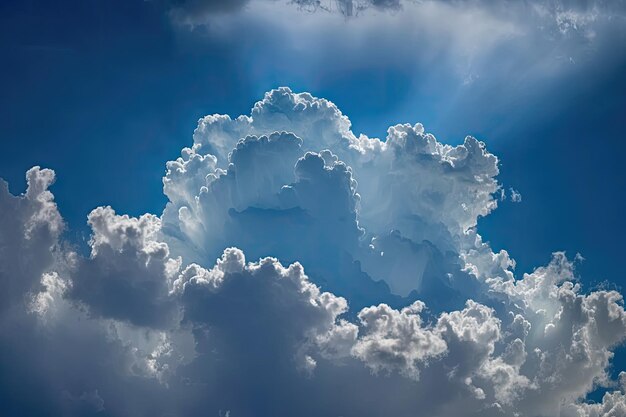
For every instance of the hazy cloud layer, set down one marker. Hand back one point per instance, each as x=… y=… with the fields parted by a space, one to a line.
x=298 y=269
x=543 y=34
x=446 y=63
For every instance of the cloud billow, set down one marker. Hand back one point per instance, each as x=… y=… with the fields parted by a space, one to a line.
x=298 y=269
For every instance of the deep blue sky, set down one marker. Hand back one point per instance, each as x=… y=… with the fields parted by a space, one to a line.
x=104 y=92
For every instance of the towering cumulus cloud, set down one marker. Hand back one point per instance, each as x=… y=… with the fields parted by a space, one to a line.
x=298 y=269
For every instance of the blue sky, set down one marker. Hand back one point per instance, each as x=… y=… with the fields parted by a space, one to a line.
x=106 y=92
x=85 y=81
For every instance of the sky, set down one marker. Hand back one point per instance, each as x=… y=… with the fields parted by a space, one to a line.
x=407 y=242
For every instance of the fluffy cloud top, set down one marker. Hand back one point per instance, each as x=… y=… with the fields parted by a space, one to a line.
x=298 y=269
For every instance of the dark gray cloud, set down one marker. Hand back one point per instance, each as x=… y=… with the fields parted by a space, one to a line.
x=126 y=277
x=195 y=11
x=199 y=8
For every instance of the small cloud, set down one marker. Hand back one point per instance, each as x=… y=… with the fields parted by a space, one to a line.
x=516 y=197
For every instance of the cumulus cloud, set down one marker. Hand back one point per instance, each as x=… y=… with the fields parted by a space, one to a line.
x=30 y=226
x=263 y=304
x=395 y=340
x=129 y=272
x=613 y=404
x=298 y=269
x=49 y=348
x=349 y=192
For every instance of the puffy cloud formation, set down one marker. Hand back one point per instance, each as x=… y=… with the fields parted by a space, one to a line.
x=30 y=226
x=613 y=404
x=263 y=304
x=298 y=269
x=128 y=275
x=49 y=348
x=395 y=340
x=307 y=180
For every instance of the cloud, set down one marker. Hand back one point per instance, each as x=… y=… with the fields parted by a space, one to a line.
x=198 y=11
x=613 y=404
x=128 y=275
x=395 y=340
x=500 y=58
x=263 y=304
x=465 y=31
x=458 y=178
x=567 y=15
x=49 y=349
x=298 y=269
x=347 y=197
x=30 y=227
x=516 y=197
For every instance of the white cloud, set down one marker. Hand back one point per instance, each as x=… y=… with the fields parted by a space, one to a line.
x=129 y=272
x=30 y=227
x=150 y=323
x=613 y=404
x=396 y=340
x=455 y=186
x=516 y=197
